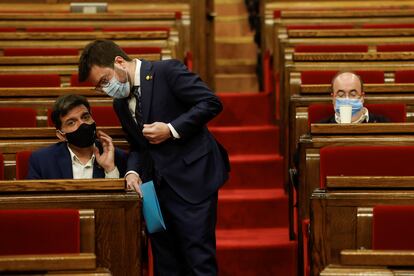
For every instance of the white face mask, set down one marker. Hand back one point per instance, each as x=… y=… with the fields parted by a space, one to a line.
x=117 y=89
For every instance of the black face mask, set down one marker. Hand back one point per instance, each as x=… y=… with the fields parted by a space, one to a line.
x=83 y=137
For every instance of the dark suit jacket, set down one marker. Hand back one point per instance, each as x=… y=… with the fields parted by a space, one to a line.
x=373 y=118
x=195 y=165
x=54 y=162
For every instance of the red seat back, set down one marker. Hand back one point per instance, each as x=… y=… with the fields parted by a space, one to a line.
x=22 y=164
x=74 y=81
x=102 y=115
x=330 y=48
x=60 y=29
x=404 y=76
x=395 y=48
x=395 y=112
x=325 y=77
x=1 y=166
x=21 y=80
x=366 y=161
x=39 y=231
x=392 y=228
x=17 y=117
x=40 y=52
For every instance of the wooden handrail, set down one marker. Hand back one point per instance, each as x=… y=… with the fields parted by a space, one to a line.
x=378 y=257
x=392 y=182
x=48 y=132
x=55 y=185
x=47 y=262
x=394 y=128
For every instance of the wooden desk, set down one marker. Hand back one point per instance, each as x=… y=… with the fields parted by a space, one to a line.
x=377 y=257
x=118 y=237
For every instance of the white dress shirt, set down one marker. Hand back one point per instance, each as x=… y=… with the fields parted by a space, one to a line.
x=85 y=171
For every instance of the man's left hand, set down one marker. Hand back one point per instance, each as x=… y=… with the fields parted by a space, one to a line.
x=156 y=132
x=107 y=157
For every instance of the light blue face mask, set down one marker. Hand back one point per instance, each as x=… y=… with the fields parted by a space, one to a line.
x=355 y=103
x=117 y=89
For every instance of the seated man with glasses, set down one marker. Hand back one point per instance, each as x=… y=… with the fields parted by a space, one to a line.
x=347 y=89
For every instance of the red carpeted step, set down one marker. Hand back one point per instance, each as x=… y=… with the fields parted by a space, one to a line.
x=248 y=140
x=252 y=208
x=244 y=109
x=252 y=252
x=255 y=171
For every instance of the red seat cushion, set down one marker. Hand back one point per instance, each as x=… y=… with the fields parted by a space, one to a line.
x=40 y=52
x=392 y=228
x=388 y=26
x=395 y=48
x=395 y=112
x=20 y=80
x=8 y=29
x=22 y=164
x=325 y=77
x=17 y=117
x=39 y=231
x=365 y=161
x=330 y=48
x=404 y=76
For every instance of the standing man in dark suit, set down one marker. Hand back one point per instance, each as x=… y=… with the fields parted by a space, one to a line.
x=164 y=110
x=76 y=155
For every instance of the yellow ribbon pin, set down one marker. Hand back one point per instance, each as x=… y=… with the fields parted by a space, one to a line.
x=148 y=77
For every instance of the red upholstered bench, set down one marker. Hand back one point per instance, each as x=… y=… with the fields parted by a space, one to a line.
x=17 y=117
x=325 y=77
x=40 y=52
x=330 y=48
x=365 y=161
x=388 y=26
x=22 y=164
x=30 y=80
x=135 y=29
x=392 y=228
x=39 y=231
x=395 y=112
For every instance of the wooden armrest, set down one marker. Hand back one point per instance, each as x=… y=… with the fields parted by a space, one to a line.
x=54 y=185
x=378 y=257
x=47 y=262
x=48 y=132
x=370 y=181
x=362 y=128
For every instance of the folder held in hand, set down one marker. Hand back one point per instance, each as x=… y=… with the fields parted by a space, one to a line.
x=151 y=208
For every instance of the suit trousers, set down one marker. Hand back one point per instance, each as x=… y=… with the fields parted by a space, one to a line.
x=188 y=246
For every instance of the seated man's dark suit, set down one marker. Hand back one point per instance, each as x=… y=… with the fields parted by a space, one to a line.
x=188 y=171
x=54 y=162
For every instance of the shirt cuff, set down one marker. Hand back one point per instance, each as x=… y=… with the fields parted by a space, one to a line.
x=129 y=172
x=173 y=131
x=113 y=174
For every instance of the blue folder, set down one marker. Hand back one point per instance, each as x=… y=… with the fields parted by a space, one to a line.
x=151 y=208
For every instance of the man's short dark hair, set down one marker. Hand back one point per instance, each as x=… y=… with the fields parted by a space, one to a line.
x=101 y=53
x=64 y=104
x=350 y=72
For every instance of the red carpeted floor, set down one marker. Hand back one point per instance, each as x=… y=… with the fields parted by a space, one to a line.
x=252 y=226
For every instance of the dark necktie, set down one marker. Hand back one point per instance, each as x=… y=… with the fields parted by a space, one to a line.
x=138 y=110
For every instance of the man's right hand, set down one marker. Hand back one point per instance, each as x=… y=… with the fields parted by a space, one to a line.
x=132 y=183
